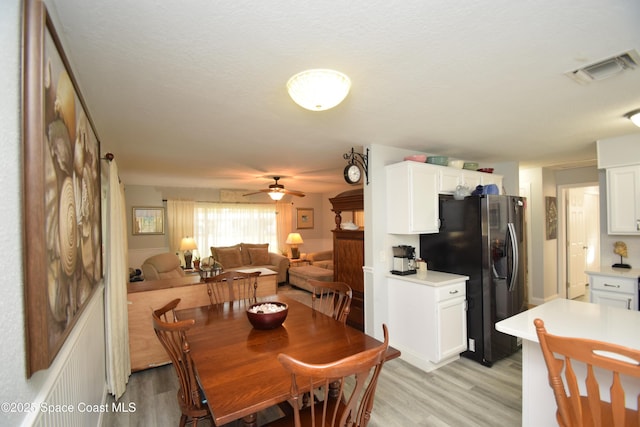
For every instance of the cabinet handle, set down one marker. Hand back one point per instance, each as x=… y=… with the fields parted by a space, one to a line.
x=611 y=286
x=637 y=224
x=628 y=303
x=453 y=292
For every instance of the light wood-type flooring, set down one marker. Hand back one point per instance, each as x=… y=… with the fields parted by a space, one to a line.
x=462 y=393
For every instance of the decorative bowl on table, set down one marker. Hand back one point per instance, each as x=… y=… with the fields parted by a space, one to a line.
x=267 y=315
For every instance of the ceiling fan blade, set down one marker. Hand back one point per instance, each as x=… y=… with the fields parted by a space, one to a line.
x=264 y=190
x=294 y=193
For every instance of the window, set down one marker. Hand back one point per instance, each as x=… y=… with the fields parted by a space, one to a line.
x=226 y=224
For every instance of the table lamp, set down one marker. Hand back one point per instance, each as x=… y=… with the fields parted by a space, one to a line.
x=294 y=239
x=187 y=245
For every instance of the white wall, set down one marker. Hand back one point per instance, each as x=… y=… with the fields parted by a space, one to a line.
x=14 y=386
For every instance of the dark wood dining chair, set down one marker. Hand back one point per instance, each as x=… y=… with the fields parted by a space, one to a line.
x=563 y=354
x=171 y=334
x=332 y=299
x=232 y=286
x=344 y=389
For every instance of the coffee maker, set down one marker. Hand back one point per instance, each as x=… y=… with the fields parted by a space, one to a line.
x=404 y=260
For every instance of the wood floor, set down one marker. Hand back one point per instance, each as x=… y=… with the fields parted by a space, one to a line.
x=462 y=393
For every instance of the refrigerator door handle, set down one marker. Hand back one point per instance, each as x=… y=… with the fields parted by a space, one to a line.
x=514 y=251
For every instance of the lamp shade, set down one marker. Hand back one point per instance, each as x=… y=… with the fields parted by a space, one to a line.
x=318 y=89
x=188 y=244
x=294 y=239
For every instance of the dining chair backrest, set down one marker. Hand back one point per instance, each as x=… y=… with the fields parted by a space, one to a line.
x=171 y=334
x=232 y=286
x=332 y=299
x=563 y=355
x=343 y=390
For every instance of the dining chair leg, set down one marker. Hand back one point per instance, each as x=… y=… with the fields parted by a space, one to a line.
x=250 y=420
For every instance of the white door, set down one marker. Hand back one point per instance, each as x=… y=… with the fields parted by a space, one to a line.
x=576 y=243
x=592 y=223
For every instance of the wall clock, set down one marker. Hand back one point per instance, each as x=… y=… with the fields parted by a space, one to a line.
x=352 y=174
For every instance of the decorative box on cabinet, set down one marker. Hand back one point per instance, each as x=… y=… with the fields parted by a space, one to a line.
x=412 y=198
x=348 y=253
x=623 y=200
x=614 y=287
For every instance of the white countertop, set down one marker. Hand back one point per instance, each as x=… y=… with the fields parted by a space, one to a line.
x=577 y=319
x=434 y=278
x=609 y=271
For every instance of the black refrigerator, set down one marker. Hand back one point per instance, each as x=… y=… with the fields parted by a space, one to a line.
x=483 y=237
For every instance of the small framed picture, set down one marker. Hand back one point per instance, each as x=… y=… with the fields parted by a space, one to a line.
x=147 y=220
x=305 y=218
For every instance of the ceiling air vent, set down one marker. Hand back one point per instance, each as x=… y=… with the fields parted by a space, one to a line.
x=606 y=68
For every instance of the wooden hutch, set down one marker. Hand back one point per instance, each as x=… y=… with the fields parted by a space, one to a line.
x=348 y=253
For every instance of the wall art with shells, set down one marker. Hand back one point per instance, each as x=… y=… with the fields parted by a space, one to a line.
x=63 y=239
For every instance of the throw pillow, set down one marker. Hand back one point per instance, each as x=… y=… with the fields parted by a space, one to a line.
x=229 y=257
x=246 y=258
x=214 y=250
x=259 y=256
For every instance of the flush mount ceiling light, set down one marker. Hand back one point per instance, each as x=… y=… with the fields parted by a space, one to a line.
x=634 y=116
x=318 y=89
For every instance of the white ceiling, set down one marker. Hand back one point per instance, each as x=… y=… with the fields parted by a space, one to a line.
x=192 y=93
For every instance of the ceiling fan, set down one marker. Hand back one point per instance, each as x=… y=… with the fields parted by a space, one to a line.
x=277 y=191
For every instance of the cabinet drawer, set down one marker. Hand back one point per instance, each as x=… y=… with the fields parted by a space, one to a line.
x=614 y=284
x=456 y=290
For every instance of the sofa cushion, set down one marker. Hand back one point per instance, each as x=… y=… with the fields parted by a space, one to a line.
x=259 y=256
x=214 y=250
x=229 y=257
x=244 y=250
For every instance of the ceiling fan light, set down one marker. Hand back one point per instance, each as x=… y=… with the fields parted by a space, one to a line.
x=276 y=195
x=318 y=89
x=634 y=116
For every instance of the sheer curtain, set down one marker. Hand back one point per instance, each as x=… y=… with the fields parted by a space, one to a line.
x=116 y=277
x=226 y=224
x=285 y=221
x=179 y=222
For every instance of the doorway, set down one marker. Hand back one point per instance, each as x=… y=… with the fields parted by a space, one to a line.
x=578 y=238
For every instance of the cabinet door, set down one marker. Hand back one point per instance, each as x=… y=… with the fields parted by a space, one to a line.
x=614 y=299
x=412 y=198
x=451 y=321
x=471 y=179
x=623 y=197
x=450 y=178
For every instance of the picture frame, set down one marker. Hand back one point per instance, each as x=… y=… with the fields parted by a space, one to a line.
x=551 y=214
x=304 y=218
x=147 y=220
x=62 y=193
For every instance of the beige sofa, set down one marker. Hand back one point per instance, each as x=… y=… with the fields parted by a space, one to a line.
x=162 y=266
x=322 y=259
x=320 y=268
x=251 y=255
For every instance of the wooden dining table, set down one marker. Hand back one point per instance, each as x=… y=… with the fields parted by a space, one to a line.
x=237 y=365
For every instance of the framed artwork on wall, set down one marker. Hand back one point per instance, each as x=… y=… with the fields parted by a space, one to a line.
x=304 y=218
x=551 y=213
x=63 y=232
x=147 y=220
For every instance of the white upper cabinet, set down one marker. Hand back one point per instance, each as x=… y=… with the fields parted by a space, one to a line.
x=623 y=200
x=412 y=198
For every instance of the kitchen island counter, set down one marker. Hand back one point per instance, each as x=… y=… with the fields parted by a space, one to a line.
x=567 y=318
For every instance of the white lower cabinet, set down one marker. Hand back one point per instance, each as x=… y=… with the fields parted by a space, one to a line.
x=428 y=324
x=614 y=290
